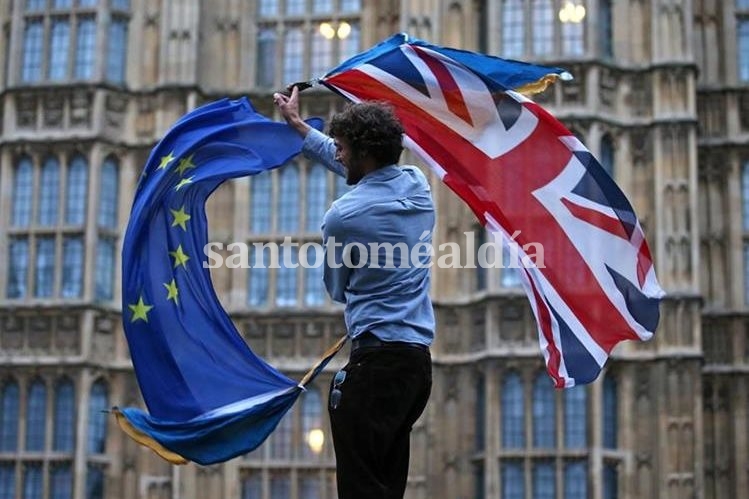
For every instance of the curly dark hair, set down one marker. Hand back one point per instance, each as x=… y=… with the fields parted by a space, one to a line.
x=372 y=129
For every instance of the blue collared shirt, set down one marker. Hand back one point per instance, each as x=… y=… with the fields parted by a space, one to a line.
x=389 y=208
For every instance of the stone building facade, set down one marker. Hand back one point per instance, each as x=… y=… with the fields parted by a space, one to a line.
x=660 y=95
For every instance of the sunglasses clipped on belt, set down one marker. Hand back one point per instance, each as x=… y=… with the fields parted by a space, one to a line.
x=335 y=393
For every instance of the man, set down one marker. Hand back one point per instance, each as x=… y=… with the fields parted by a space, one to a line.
x=382 y=391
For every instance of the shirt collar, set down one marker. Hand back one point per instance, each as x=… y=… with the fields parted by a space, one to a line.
x=384 y=173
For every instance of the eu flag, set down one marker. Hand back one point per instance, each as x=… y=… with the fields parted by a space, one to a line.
x=209 y=397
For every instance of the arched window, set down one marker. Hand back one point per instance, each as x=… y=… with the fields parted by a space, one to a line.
x=280 y=439
x=293 y=58
x=109 y=193
x=287 y=277
x=573 y=37
x=513 y=28
x=544 y=480
x=309 y=486
x=77 y=189
x=288 y=199
x=280 y=486
x=98 y=404
x=295 y=7
x=261 y=203
x=266 y=58
x=745 y=194
x=44 y=283
x=314 y=291
x=105 y=263
x=64 y=431
x=85 y=48
x=317 y=183
x=607 y=154
x=322 y=55
x=513 y=413
x=610 y=413
x=33 y=50
x=543 y=27
x=257 y=276
x=18 y=266
x=59 y=45
x=117 y=50
x=9 y=412
x=72 y=267
x=575 y=417
x=36 y=416
x=23 y=192
x=311 y=423
x=49 y=192
x=544 y=413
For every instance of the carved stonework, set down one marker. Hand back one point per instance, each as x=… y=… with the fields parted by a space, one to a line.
x=40 y=333
x=573 y=91
x=26 y=111
x=80 y=108
x=478 y=328
x=711 y=110
x=640 y=98
x=115 y=109
x=511 y=324
x=12 y=333
x=607 y=85
x=53 y=110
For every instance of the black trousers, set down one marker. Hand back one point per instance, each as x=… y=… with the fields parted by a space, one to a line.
x=384 y=393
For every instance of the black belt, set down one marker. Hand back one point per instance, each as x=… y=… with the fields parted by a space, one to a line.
x=368 y=340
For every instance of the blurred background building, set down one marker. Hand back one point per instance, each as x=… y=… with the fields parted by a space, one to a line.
x=660 y=95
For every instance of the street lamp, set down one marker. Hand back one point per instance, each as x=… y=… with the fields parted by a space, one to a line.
x=572 y=12
x=329 y=32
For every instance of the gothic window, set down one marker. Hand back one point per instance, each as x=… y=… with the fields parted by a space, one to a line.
x=543 y=27
x=510 y=276
x=72 y=267
x=513 y=412
x=77 y=191
x=610 y=413
x=107 y=221
x=513 y=28
x=742 y=42
x=261 y=203
x=58 y=49
x=64 y=416
x=33 y=51
x=266 y=57
x=49 y=192
x=311 y=408
x=605 y=29
x=94 y=482
x=117 y=50
x=610 y=481
x=85 y=51
x=257 y=284
x=36 y=412
x=287 y=205
x=33 y=480
x=23 y=192
x=575 y=417
x=314 y=291
x=317 y=186
x=252 y=485
x=481 y=269
x=61 y=481
x=9 y=414
x=286 y=285
x=98 y=406
x=745 y=194
x=281 y=439
x=322 y=32
x=18 y=267
x=576 y=479
x=553 y=28
x=7 y=480
x=280 y=486
x=544 y=413
x=44 y=283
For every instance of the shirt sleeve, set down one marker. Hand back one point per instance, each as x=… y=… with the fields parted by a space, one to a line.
x=335 y=272
x=319 y=147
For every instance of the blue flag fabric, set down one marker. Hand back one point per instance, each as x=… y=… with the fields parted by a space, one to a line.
x=209 y=397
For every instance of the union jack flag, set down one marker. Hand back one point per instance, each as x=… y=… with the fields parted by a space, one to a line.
x=523 y=174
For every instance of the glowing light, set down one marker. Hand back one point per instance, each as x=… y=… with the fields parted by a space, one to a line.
x=315 y=440
x=327 y=31
x=572 y=13
x=344 y=30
